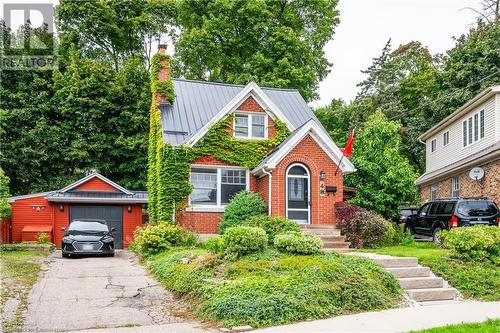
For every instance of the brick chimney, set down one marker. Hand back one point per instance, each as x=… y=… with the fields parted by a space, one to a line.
x=164 y=73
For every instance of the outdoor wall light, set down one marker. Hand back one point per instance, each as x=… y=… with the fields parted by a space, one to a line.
x=61 y=207
x=322 y=175
x=129 y=208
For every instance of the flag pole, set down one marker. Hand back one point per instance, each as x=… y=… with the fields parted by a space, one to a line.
x=338 y=166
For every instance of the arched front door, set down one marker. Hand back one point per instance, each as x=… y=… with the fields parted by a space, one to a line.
x=297 y=193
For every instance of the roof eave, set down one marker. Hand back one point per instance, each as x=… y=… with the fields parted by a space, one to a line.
x=98 y=200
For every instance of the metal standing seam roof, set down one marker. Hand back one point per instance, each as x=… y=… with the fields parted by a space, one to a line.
x=99 y=196
x=197 y=102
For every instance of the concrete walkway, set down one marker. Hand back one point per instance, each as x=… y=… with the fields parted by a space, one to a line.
x=101 y=292
x=397 y=320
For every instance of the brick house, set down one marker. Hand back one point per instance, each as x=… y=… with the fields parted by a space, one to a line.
x=466 y=139
x=300 y=177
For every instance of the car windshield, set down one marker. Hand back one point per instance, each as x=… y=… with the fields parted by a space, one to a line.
x=477 y=208
x=88 y=226
x=407 y=212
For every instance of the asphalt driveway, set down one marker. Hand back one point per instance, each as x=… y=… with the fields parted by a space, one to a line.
x=100 y=292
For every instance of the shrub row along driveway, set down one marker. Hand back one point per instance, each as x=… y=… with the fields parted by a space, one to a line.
x=98 y=292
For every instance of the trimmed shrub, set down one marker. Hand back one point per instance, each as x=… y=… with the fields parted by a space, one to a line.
x=346 y=213
x=157 y=238
x=240 y=208
x=244 y=240
x=272 y=225
x=473 y=243
x=298 y=243
x=395 y=235
x=214 y=244
x=367 y=229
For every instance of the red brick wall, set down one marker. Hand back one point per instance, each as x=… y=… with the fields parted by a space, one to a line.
x=201 y=222
x=95 y=184
x=309 y=153
x=251 y=105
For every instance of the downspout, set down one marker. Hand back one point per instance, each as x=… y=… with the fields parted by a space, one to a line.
x=270 y=175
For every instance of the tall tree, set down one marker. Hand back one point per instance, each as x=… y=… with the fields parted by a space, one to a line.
x=384 y=177
x=114 y=30
x=5 y=209
x=275 y=43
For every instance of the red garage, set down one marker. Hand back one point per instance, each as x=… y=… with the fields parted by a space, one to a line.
x=92 y=197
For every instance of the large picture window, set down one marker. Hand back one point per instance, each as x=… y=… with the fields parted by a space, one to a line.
x=250 y=125
x=216 y=186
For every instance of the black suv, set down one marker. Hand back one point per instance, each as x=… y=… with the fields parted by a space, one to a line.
x=452 y=212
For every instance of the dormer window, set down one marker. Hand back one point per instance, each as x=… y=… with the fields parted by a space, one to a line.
x=250 y=125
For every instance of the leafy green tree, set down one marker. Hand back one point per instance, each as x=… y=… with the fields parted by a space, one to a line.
x=384 y=177
x=114 y=30
x=4 y=195
x=274 y=43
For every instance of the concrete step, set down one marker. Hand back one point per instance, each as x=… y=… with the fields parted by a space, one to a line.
x=333 y=245
x=432 y=294
x=318 y=226
x=393 y=262
x=339 y=250
x=323 y=232
x=421 y=282
x=409 y=272
x=330 y=238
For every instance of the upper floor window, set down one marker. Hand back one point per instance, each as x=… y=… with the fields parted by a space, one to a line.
x=433 y=145
x=446 y=138
x=214 y=186
x=250 y=125
x=473 y=129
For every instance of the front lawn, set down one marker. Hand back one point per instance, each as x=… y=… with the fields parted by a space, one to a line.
x=489 y=326
x=272 y=288
x=477 y=280
x=18 y=272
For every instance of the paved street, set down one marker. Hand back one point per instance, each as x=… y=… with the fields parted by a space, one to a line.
x=100 y=292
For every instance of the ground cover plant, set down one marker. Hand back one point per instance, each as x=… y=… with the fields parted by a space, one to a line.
x=271 y=288
x=18 y=273
x=474 y=279
x=489 y=326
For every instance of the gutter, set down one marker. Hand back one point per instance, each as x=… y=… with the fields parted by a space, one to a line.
x=270 y=175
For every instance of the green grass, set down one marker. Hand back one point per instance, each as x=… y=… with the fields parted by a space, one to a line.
x=477 y=280
x=489 y=326
x=18 y=272
x=273 y=288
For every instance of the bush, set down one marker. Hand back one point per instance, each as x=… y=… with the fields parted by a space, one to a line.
x=473 y=243
x=244 y=240
x=272 y=225
x=298 y=243
x=395 y=235
x=42 y=238
x=214 y=244
x=157 y=238
x=367 y=229
x=240 y=208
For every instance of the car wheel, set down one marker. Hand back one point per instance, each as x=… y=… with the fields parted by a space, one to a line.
x=435 y=237
x=65 y=255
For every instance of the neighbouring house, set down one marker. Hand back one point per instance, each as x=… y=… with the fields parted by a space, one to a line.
x=210 y=140
x=467 y=140
x=92 y=197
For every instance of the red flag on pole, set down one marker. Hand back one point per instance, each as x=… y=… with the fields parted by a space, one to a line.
x=348 y=146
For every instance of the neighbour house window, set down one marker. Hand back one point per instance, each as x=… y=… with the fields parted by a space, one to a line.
x=446 y=138
x=473 y=128
x=249 y=125
x=434 y=190
x=433 y=145
x=455 y=187
x=216 y=186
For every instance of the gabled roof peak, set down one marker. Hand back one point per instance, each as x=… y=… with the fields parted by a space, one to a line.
x=233 y=84
x=91 y=176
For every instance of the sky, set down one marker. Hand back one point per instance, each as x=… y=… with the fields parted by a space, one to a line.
x=366 y=25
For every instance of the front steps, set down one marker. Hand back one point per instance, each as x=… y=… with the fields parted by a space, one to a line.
x=421 y=285
x=330 y=235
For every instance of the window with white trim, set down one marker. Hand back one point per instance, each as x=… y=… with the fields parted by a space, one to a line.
x=434 y=192
x=473 y=129
x=455 y=187
x=216 y=186
x=446 y=138
x=250 y=125
x=433 y=145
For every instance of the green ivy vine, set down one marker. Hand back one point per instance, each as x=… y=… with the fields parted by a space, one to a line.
x=168 y=166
